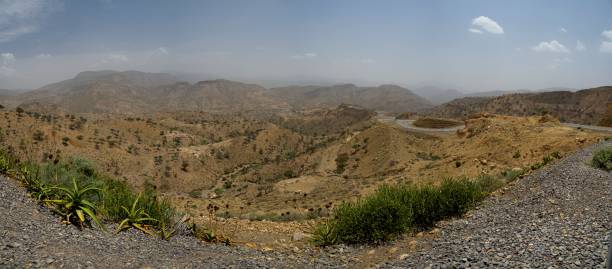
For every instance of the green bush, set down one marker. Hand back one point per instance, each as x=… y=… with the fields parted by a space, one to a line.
x=603 y=159
x=378 y=217
x=392 y=210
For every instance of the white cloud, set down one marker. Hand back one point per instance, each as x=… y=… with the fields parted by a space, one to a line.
x=7 y=58
x=6 y=71
x=308 y=55
x=563 y=60
x=475 y=31
x=488 y=25
x=20 y=17
x=557 y=62
x=552 y=46
x=110 y=60
x=117 y=58
x=12 y=34
x=162 y=50
x=580 y=46
x=43 y=56
x=562 y=30
x=606 y=47
x=607 y=34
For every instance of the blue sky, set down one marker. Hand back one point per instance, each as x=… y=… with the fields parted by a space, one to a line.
x=467 y=45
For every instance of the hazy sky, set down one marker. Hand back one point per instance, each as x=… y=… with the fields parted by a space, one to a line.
x=468 y=45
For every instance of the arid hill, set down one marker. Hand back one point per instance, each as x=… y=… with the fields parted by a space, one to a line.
x=133 y=92
x=390 y=98
x=587 y=106
x=97 y=92
x=216 y=95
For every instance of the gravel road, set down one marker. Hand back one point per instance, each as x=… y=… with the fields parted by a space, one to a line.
x=558 y=217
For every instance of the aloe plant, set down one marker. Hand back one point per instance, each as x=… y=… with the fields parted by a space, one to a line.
x=136 y=217
x=73 y=204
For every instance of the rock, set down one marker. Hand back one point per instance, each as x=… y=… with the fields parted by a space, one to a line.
x=412 y=244
x=403 y=256
x=299 y=236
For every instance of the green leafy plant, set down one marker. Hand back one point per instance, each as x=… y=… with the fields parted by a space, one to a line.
x=74 y=205
x=603 y=159
x=166 y=232
x=324 y=234
x=136 y=217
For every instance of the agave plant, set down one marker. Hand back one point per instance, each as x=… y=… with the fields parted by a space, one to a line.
x=136 y=217
x=73 y=204
x=166 y=232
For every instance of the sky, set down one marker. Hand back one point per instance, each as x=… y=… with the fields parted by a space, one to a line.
x=466 y=45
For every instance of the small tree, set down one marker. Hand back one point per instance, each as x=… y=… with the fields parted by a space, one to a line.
x=184 y=166
x=38 y=135
x=65 y=140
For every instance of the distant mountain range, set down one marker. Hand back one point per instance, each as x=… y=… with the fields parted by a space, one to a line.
x=390 y=98
x=589 y=106
x=131 y=92
x=438 y=95
x=134 y=92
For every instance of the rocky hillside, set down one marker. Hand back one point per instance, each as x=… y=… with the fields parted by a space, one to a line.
x=390 y=98
x=589 y=106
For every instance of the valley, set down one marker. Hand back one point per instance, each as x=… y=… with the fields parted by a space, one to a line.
x=276 y=173
x=264 y=167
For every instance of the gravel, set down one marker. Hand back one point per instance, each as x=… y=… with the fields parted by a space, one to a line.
x=557 y=217
x=31 y=236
